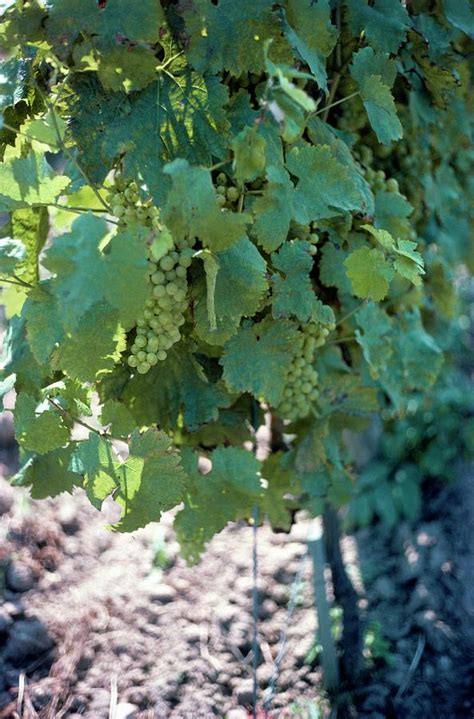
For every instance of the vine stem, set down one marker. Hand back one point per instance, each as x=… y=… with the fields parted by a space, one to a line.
x=75 y=419
x=80 y=210
x=65 y=149
x=339 y=340
x=10 y=128
x=333 y=104
x=349 y=314
x=17 y=281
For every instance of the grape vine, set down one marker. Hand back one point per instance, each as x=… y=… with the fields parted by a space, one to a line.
x=245 y=209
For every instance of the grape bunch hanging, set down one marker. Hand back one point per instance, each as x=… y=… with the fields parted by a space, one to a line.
x=158 y=327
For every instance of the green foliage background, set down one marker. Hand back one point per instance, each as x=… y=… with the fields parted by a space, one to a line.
x=345 y=129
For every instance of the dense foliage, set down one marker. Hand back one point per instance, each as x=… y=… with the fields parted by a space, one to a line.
x=217 y=211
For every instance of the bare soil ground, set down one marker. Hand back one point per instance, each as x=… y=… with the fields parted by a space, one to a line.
x=92 y=618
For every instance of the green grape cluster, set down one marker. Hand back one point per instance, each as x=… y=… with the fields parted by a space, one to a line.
x=126 y=205
x=301 y=390
x=158 y=328
x=227 y=195
x=305 y=232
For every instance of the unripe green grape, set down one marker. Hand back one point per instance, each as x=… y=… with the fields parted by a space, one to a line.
x=149 y=303
x=161 y=355
x=152 y=359
x=185 y=258
x=313 y=250
x=134 y=349
x=166 y=343
x=132 y=361
x=141 y=322
x=171 y=275
x=166 y=263
x=140 y=341
x=130 y=213
x=153 y=344
x=221 y=189
x=221 y=178
x=158 y=278
x=159 y=291
x=180 y=272
x=180 y=295
x=141 y=356
x=164 y=302
x=141 y=331
x=143 y=367
x=118 y=210
x=232 y=194
x=392 y=185
x=221 y=201
x=148 y=314
x=171 y=289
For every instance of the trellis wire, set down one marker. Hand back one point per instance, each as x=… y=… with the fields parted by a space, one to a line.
x=255 y=612
x=283 y=640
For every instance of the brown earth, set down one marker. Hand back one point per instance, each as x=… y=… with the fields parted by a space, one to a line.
x=95 y=619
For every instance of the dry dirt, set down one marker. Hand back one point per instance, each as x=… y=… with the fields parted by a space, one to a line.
x=95 y=619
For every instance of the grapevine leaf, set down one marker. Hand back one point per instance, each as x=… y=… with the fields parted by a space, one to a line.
x=191 y=209
x=212 y=31
x=460 y=14
x=409 y=262
x=18 y=358
x=151 y=480
x=32 y=225
x=125 y=265
x=258 y=358
x=12 y=253
x=93 y=347
x=241 y=267
x=75 y=259
x=369 y=273
x=174 y=387
x=324 y=188
x=331 y=268
x=232 y=488
x=28 y=180
x=38 y=429
x=391 y=213
x=43 y=322
x=249 y=155
x=376 y=337
x=292 y=292
x=67 y=19
x=311 y=34
x=375 y=75
x=116 y=415
x=170 y=118
x=321 y=133
x=94 y=458
x=385 y=24
x=273 y=210
x=49 y=475
x=383 y=237
x=280 y=482
x=85 y=275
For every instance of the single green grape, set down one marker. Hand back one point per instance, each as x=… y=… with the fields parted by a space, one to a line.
x=143 y=367
x=166 y=263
